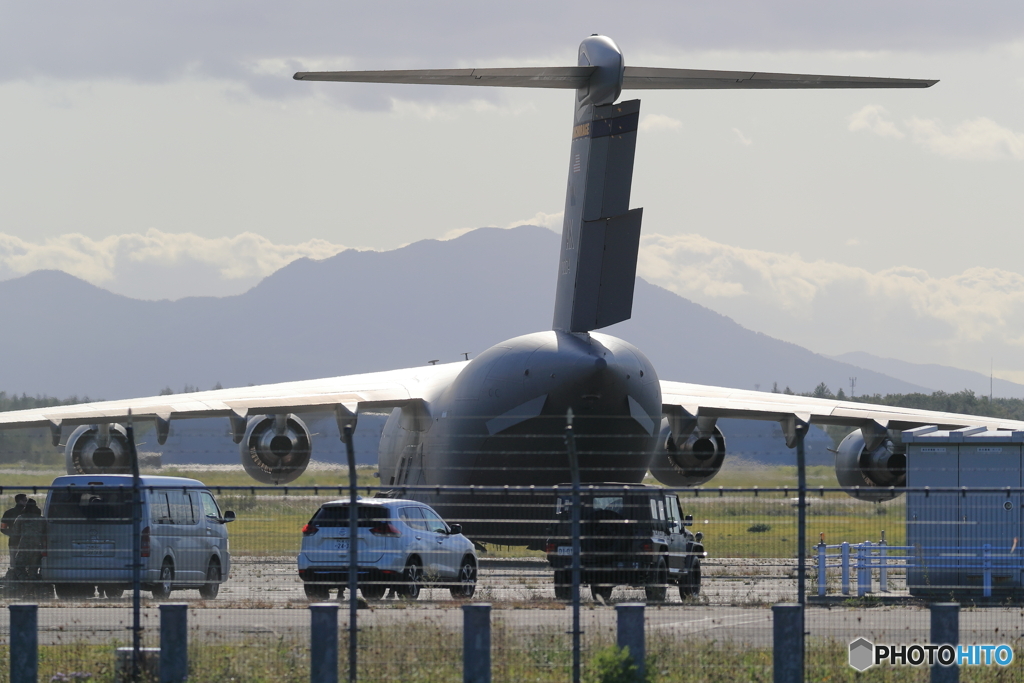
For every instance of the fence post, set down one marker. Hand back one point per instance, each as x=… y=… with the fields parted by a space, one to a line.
x=845 y=548
x=24 y=648
x=883 y=570
x=476 y=643
x=323 y=646
x=630 y=618
x=173 y=642
x=787 y=643
x=986 y=569
x=945 y=631
x=822 y=568
x=863 y=569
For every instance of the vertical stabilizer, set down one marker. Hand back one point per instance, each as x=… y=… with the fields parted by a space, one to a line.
x=600 y=235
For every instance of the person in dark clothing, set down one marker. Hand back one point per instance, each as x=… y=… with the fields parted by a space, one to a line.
x=30 y=528
x=7 y=529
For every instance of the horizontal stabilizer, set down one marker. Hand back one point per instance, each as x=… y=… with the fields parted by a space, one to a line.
x=654 y=78
x=569 y=77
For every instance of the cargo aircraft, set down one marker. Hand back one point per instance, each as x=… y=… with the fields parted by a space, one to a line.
x=499 y=418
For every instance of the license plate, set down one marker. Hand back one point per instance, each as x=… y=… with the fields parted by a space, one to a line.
x=565 y=550
x=341 y=544
x=93 y=549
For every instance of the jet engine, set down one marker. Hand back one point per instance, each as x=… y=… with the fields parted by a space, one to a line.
x=874 y=471
x=696 y=460
x=275 y=448
x=98 y=449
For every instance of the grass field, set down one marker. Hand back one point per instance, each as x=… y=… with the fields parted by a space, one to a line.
x=432 y=652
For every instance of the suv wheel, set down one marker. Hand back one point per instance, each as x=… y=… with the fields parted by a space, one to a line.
x=690 y=586
x=466 y=586
x=412 y=578
x=162 y=588
x=602 y=592
x=658 y=586
x=317 y=591
x=209 y=590
x=563 y=584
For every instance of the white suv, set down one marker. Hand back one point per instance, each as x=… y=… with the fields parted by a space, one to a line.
x=403 y=544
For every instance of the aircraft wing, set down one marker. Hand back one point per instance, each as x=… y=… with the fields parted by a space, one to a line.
x=355 y=393
x=707 y=401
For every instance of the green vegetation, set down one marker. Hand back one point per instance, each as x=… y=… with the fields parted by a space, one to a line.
x=425 y=649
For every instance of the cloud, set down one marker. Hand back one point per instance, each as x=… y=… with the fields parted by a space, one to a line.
x=979 y=138
x=976 y=139
x=741 y=138
x=870 y=118
x=158 y=264
x=659 y=122
x=962 y=319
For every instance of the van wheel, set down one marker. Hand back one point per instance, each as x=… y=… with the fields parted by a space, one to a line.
x=466 y=586
x=162 y=588
x=658 y=586
x=690 y=586
x=209 y=590
x=412 y=578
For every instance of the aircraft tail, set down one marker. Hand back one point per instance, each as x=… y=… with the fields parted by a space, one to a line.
x=600 y=235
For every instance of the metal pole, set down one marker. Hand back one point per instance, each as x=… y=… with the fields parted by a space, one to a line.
x=945 y=631
x=800 y=429
x=630 y=634
x=845 y=554
x=801 y=524
x=574 y=465
x=24 y=646
x=822 y=568
x=136 y=550
x=787 y=643
x=323 y=645
x=883 y=571
x=476 y=643
x=173 y=642
x=353 y=551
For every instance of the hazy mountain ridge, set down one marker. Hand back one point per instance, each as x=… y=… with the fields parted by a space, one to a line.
x=941 y=377
x=364 y=311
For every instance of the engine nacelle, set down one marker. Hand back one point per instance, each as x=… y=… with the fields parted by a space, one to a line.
x=873 y=471
x=275 y=448
x=691 y=463
x=98 y=449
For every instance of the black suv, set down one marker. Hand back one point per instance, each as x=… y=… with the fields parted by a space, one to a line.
x=630 y=535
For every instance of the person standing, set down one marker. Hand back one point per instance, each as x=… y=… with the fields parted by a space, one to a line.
x=7 y=529
x=30 y=529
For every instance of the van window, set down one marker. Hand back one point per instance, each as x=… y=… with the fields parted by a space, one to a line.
x=209 y=505
x=93 y=506
x=181 y=508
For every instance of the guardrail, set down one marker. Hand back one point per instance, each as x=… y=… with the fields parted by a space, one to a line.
x=861 y=559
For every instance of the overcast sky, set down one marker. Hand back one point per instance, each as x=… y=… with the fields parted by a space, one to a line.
x=163 y=150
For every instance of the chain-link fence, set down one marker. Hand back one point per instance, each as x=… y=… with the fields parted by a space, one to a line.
x=709 y=563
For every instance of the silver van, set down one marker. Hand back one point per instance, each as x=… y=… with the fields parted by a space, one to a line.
x=89 y=536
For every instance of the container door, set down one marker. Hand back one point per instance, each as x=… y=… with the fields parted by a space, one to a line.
x=933 y=519
x=990 y=518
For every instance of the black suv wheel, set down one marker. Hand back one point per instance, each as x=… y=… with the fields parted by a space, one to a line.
x=657 y=588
